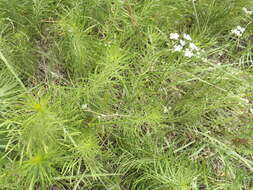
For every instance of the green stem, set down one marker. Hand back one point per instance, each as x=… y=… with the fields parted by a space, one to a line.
x=10 y=68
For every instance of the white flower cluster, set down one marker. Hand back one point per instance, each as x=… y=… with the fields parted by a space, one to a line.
x=184 y=45
x=238 y=31
x=247 y=11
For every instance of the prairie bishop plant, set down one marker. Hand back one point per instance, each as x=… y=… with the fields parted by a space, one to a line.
x=126 y=95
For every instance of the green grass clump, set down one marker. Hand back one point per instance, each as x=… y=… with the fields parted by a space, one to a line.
x=101 y=94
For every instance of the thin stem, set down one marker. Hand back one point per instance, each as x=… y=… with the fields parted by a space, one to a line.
x=10 y=68
x=196 y=14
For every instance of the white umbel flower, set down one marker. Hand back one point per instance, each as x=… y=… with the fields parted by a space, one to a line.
x=178 y=48
x=247 y=11
x=182 y=42
x=193 y=46
x=187 y=37
x=165 y=109
x=188 y=53
x=174 y=36
x=238 y=31
x=185 y=45
x=241 y=29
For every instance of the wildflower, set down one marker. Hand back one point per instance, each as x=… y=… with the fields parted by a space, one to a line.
x=187 y=37
x=193 y=46
x=178 y=48
x=188 y=53
x=166 y=109
x=182 y=42
x=238 y=31
x=185 y=45
x=241 y=29
x=247 y=11
x=174 y=36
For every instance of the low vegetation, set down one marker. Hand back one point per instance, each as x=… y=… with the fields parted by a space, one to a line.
x=126 y=95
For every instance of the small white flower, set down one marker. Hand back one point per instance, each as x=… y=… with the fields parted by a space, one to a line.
x=241 y=29
x=165 y=109
x=182 y=42
x=188 y=53
x=236 y=32
x=187 y=37
x=174 y=36
x=178 y=48
x=249 y=12
x=193 y=46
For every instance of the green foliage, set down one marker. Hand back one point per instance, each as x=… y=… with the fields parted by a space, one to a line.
x=92 y=95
